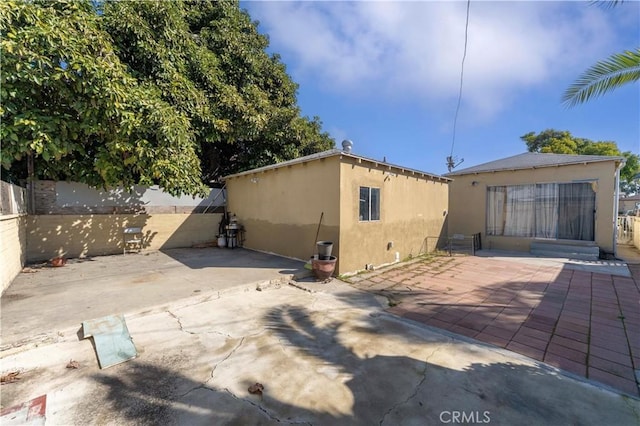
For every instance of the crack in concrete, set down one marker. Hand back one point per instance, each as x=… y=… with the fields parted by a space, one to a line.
x=180 y=323
x=256 y=334
x=216 y=296
x=266 y=412
x=229 y=355
x=204 y=385
x=194 y=389
x=416 y=388
x=201 y=299
x=220 y=333
x=628 y=401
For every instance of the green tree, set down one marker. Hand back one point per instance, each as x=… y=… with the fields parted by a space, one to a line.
x=552 y=141
x=144 y=92
x=209 y=61
x=617 y=70
x=563 y=142
x=630 y=185
x=71 y=105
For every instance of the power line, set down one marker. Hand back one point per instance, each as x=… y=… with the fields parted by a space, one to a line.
x=450 y=160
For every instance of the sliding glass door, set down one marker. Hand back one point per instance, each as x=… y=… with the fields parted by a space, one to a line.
x=576 y=217
x=548 y=210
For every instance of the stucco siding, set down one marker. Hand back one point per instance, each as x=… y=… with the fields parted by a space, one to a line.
x=412 y=208
x=636 y=232
x=280 y=208
x=468 y=197
x=92 y=235
x=13 y=247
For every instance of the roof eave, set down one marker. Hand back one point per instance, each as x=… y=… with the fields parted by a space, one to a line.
x=403 y=170
x=300 y=160
x=542 y=166
x=327 y=154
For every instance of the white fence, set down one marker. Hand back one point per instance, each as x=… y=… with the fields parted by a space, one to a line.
x=636 y=232
x=13 y=232
x=625 y=229
x=13 y=199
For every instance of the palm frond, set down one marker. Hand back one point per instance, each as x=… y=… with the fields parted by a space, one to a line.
x=606 y=3
x=604 y=76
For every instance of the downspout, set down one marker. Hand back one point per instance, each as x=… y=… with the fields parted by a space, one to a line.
x=616 y=201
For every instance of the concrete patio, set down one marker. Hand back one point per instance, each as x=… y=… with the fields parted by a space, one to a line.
x=581 y=317
x=205 y=334
x=43 y=300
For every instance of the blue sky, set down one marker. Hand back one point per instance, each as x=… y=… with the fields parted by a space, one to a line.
x=386 y=74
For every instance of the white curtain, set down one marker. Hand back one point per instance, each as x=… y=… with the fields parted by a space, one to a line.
x=520 y=211
x=547 y=197
x=549 y=210
x=495 y=209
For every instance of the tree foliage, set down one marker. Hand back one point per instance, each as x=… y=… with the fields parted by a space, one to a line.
x=604 y=76
x=617 y=70
x=563 y=142
x=144 y=92
x=70 y=103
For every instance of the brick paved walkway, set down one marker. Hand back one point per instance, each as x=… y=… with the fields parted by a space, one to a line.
x=582 y=322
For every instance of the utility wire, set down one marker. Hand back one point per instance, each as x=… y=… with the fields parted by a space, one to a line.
x=464 y=56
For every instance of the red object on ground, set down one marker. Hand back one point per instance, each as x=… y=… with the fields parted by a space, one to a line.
x=29 y=413
x=58 y=261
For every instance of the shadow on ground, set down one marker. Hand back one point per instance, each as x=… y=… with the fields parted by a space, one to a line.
x=106 y=285
x=366 y=389
x=583 y=322
x=214 y=257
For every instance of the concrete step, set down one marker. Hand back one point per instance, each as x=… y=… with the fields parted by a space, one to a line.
x=564 y=254
x=583 y=251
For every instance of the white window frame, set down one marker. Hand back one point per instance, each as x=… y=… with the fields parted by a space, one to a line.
x=360 y=200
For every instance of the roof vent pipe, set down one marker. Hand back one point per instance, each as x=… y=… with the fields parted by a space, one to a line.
x=347 y=145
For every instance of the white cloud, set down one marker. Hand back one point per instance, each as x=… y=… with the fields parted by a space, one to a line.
x=415 y=49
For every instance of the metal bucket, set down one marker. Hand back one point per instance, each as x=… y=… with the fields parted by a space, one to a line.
x=324 y=249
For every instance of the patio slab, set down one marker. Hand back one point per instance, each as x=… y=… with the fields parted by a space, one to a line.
x=327 y=356
x=41 y=302
x=582 y=317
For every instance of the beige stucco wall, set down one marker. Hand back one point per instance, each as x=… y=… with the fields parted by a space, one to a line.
x=468 y=201
x=13 y=247
x=91 y=235
x=280 y=208
x=636 y=232
x=412 y=215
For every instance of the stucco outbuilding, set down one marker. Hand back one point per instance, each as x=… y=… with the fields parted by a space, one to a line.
x=374 y=212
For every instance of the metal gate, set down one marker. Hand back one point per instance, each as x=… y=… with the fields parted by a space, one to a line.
x=625 y=229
